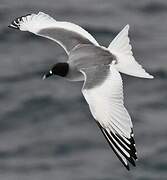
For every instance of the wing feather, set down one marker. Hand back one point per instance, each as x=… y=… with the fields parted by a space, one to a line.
x=66 y=34
x=104 y=93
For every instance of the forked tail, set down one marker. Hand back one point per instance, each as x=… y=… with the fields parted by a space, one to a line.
x=126 y=63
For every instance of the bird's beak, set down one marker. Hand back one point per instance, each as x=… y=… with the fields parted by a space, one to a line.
x=47 y=75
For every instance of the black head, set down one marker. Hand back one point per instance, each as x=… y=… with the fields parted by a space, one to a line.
x=60 y=69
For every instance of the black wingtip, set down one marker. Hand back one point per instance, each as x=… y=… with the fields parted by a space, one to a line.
x=12 y=26
x=15 y=24
x=127 y=167
x=113 y=138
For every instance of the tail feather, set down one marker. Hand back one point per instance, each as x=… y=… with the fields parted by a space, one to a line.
x=126 y=63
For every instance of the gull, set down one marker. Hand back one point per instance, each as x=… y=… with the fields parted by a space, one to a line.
x=99 y=67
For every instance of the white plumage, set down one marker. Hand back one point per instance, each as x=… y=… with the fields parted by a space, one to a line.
x=99 y=67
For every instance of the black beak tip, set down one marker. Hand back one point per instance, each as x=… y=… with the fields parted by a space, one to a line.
x=44 y=77
x=47 y=75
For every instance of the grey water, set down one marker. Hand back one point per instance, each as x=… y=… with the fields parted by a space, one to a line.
x=46 y=129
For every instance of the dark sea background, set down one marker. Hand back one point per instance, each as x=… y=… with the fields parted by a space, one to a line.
x=46 y=129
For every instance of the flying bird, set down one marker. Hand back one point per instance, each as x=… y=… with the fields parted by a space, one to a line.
x=99 y=67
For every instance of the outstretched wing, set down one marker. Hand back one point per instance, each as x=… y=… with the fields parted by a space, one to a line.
x=103 y=91
x=67 y=34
